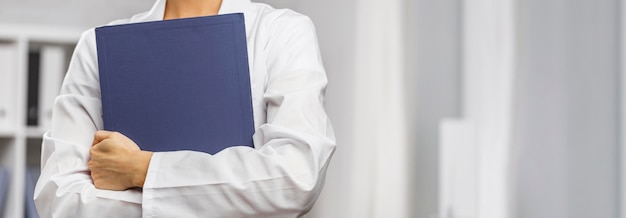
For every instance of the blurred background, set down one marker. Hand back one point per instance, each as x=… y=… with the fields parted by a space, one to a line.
x=441 y=108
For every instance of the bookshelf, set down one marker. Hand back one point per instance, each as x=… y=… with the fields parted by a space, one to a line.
x=22 y=119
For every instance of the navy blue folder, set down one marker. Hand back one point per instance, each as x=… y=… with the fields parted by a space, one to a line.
x=179 y=84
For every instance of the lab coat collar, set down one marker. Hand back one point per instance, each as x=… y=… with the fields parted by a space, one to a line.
x=158 y=9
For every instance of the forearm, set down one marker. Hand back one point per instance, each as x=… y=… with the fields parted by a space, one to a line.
x=65 y=188
x=282 y=179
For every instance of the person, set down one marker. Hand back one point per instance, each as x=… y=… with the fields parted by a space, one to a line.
x=88 y=172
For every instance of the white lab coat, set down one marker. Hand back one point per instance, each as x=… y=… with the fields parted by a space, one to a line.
x=280 y=177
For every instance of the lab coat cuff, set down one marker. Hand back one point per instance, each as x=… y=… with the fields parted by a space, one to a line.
x=149 y=183
x=153 y=169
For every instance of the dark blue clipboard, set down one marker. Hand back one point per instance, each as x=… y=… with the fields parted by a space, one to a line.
x=179 y=84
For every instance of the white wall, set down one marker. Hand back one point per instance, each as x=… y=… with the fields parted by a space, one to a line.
x=567 y=113
x=76 y=13
x=433 y=73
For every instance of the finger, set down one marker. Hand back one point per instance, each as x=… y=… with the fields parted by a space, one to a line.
x=101 y=135
x=105 y=146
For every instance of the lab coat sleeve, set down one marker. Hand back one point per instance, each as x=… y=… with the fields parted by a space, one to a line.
x=65 y=188
x=284 y=174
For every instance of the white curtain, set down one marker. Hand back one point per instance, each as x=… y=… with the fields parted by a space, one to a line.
x=380 y=156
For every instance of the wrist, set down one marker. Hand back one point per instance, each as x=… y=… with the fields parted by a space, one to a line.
x=142 y=163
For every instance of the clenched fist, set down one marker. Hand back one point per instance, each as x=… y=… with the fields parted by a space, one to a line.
x=117 y=163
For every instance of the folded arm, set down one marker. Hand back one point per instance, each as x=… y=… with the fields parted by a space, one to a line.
x=65 y=187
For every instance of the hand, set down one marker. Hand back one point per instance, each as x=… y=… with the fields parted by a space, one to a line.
x=117 y=163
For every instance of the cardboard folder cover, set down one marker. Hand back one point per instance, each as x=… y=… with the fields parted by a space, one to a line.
x=179 y=84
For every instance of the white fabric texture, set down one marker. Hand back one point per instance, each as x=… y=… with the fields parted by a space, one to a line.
x=281 y=176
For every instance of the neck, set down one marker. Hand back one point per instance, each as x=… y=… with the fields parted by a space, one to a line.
x=175 y=9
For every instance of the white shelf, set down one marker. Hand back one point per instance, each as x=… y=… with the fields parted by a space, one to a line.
x=44 y=34
x=7 y=134
x=34 y=132
x=20 y=144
